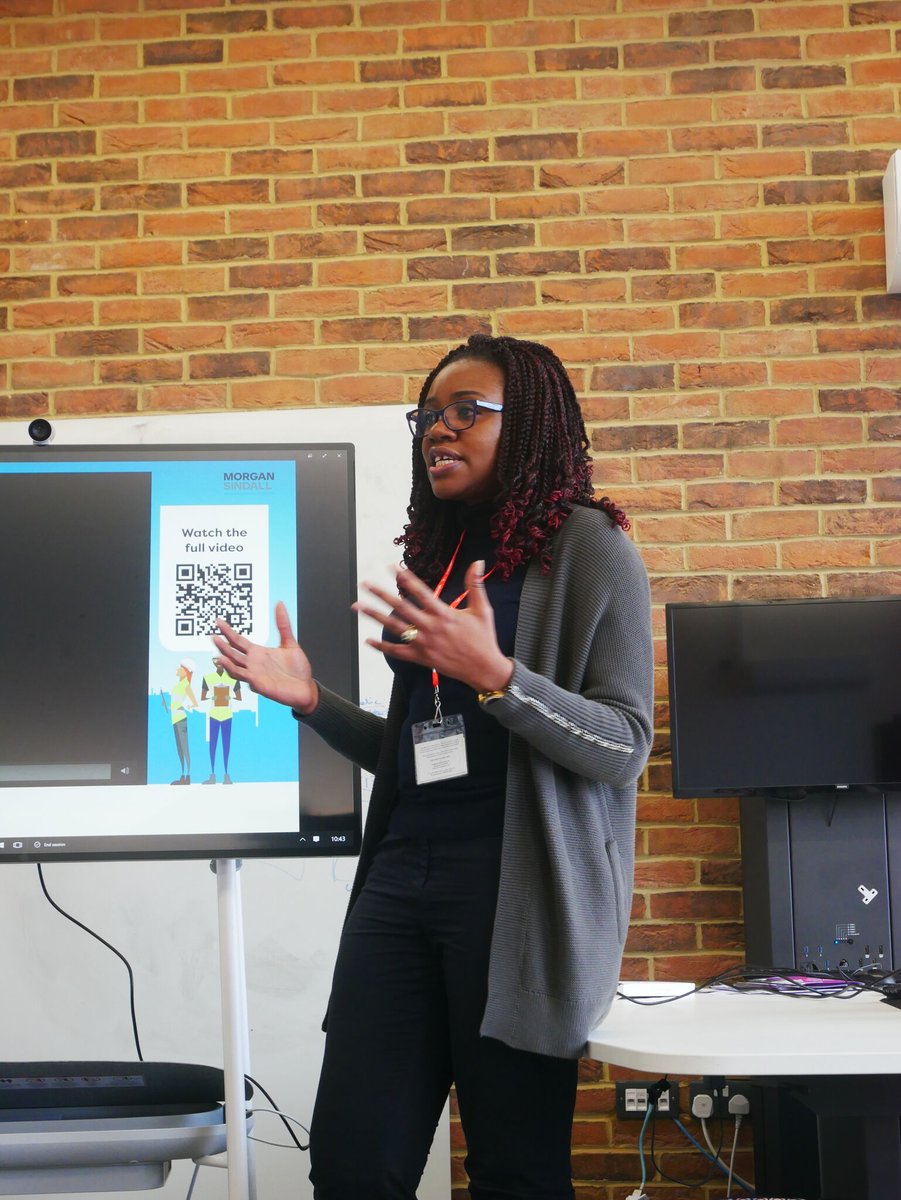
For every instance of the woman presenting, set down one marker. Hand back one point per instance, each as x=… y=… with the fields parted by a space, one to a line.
x=491 y=901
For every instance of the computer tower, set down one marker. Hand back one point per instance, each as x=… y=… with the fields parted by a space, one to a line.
x=818 y=878
x=819 y=874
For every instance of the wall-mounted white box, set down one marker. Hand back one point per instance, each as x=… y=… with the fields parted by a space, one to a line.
x=891 y=199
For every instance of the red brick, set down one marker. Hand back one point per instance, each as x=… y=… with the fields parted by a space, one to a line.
x=847 y=341
x=89 y=401
x=813 y=310
x=304 y=17
x=454 y=151
x=271 y=275
x=68 y=144
x=811 y=251
x=661 y=54
x=41 y=373
x=682 y=529
x=315 y=187
x=707 y=24
x=721 y=375
x=669 y=936
x=731 y=558
x=403 y=183
x=580 y=291
x=54 y=314
x=778 y=585
x=187 y=397
x=224 y=249
x=493 y=179
x=823 y=491
x=361 y=213
x=578 y=58
x=451 y=328
x=227 y=308
x=886 y=428
x=643 y=258
x=198 y=50
x=821 y=555
x=701 y=841
x=98 y=342
x=227 y=366
x=444 y=94
x=22 y=405
x=493 y=295
x=141 y=196
x=875 y=12
x=686 y=466
x=366 y=388
x=863 y=522
x=237 y=22
x=183 y=337
x=804 y=134
x=869 y=583
x=24 y=287
x=52 y=87
x=140 y=370
x=449 y=267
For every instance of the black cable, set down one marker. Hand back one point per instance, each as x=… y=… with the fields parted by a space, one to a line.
x=103 y=942
x=286 y=1124
x=783 y=981
x=134 y=1021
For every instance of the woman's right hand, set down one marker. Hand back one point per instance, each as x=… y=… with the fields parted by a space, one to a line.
x=282 y=673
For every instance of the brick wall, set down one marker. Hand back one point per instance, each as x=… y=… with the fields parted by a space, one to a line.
x=216 y=205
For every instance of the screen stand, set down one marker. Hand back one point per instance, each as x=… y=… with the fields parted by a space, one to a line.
x=235 y=1029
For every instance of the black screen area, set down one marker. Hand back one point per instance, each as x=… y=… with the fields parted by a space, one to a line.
x=75 y=554
x=785 y=695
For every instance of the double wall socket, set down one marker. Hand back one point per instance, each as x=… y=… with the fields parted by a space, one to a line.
x=709 y=1098
x=632 y=1100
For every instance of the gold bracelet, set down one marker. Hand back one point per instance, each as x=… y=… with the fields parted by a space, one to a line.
x=488 y=697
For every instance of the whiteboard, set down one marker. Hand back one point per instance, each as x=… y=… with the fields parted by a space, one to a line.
x=65 y=996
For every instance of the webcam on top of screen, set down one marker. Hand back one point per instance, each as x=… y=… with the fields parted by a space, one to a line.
x=40 y=431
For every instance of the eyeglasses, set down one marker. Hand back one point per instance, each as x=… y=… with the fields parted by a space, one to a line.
x=458 y=415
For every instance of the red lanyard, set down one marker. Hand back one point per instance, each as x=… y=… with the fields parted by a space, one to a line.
x=439 y=588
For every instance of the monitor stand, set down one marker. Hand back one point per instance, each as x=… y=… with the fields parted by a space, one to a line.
x=235 y=1028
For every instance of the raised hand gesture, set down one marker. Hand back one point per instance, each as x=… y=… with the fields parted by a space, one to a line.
x=281 y=672
x=458 y=642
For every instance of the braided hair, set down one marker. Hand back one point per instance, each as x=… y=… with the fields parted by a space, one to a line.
x=543 y=465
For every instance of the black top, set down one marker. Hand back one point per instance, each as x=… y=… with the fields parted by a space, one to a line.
x=470 y=805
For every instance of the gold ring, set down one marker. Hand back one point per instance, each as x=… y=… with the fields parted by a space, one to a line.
x=410 y=634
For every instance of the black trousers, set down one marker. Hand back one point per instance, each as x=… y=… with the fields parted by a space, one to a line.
x=403 y=1025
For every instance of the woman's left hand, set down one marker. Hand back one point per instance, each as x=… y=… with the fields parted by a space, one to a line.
x=458 y=642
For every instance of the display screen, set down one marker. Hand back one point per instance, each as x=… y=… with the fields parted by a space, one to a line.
x=786 y=695
x=120 y=737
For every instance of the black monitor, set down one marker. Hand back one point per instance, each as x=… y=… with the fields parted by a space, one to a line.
x=119 y=737
x=784 y=697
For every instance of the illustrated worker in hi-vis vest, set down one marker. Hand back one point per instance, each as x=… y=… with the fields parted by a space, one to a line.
x=183 y=702
x=222 y=686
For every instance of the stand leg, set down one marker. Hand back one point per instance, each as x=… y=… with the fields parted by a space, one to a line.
x=235 y=1034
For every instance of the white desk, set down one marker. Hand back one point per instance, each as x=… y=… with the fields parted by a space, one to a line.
x=823 y=1046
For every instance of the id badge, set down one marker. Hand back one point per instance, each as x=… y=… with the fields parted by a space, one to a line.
x=439 y=749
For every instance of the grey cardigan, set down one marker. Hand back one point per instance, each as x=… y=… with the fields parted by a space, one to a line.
x=579 y=711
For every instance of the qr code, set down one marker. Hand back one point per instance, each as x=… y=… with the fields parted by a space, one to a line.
x=205 y=592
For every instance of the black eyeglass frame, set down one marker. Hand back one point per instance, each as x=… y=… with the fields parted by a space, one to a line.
x=417 y=416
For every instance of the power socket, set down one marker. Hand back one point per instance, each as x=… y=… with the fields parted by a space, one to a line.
x=632 y=1100
x=710 y=1098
